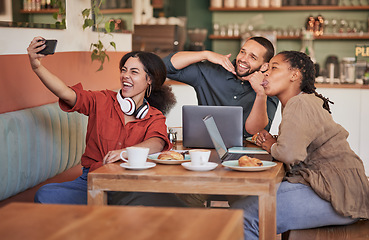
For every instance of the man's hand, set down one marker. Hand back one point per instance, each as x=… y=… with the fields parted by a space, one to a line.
x=222 y=60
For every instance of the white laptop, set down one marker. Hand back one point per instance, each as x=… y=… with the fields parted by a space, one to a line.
x=229 y=119
x=225 y=154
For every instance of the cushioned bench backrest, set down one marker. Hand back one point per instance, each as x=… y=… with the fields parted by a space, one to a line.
x=36 y=144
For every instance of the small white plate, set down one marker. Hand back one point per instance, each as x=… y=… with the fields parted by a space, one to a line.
x=206 y=167
x=147 y=166
x=233 y=164
x=154 y=157
x=250 y=140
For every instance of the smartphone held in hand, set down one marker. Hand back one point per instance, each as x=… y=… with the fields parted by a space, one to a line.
x=50 y=47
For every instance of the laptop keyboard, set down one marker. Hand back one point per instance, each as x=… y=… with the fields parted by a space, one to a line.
x=232 y=156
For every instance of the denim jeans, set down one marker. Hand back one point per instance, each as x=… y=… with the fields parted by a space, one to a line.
x=298 y=207
x=75 y=192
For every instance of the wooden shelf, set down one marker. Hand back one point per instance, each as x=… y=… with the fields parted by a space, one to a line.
x=365 y=36
x=293 y=8
x=43 y=11
x=158 y=6
x=117 y=10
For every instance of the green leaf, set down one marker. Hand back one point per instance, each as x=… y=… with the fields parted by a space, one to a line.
x=110 y=26
x=86 y=13
x=97 y=11
x=88 y=23
x=113 y=44
x=55 y=15
x=94 y=57
x=100 y=45
x=101 y=68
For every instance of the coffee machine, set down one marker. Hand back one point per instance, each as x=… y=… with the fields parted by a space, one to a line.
x=197 y=37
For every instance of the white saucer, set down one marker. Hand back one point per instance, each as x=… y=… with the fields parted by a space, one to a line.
x=206 y=167
x=147 y=166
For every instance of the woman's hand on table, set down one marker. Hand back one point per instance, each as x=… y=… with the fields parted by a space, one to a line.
x=265 y=140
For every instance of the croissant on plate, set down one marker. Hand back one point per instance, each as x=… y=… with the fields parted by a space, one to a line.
x=254 y=137
x=246 y=161
x=170 y=155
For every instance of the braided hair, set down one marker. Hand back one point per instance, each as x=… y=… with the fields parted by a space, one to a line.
x=159 y=96
x=302 y=62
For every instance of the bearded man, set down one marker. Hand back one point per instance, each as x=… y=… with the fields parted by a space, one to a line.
x=220 y=82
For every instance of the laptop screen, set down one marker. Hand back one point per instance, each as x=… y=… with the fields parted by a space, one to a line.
x=215 y=136
x=230 y=125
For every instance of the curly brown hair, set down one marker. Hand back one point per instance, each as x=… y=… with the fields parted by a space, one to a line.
x=303 y=63
x=161 y=96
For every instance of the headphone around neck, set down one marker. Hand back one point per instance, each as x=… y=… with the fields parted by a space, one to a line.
x=128 y=106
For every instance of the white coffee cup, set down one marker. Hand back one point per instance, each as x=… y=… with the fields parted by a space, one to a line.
x=137 y=156
x=199 y=157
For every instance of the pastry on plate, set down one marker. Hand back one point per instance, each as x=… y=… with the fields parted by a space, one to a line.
x=254 y=137
x=246 y=161
x=170 y=155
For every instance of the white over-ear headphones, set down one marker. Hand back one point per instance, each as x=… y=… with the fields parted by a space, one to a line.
x=128 y=106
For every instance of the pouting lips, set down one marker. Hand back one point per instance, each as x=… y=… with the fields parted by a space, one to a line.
x=264 y=83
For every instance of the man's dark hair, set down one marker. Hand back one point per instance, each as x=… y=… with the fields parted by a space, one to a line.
x=268 y=46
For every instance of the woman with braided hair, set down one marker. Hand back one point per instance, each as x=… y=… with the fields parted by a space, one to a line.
x=325 y=182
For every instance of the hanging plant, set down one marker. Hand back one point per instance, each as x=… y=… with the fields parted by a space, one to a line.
x=93 y=18
x=60 y=15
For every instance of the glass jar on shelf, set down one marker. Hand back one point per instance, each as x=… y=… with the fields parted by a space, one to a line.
x=348 y=70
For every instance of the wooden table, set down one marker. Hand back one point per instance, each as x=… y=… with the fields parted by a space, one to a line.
x=50 y=221
x=176 y=179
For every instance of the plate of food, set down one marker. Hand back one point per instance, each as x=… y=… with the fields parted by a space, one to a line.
x=248 y=164
x=252 y=139
x=170 y=157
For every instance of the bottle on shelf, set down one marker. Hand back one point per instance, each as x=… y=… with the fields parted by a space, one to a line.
x=307 y=44
x=48 y=4
x=366 y=74
x=310 y=23
x=308 y=49
x=43 y=3
x=33 y=5
x=25 y=5
x=319 y=25
x=348 y=74
x=38 y=5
